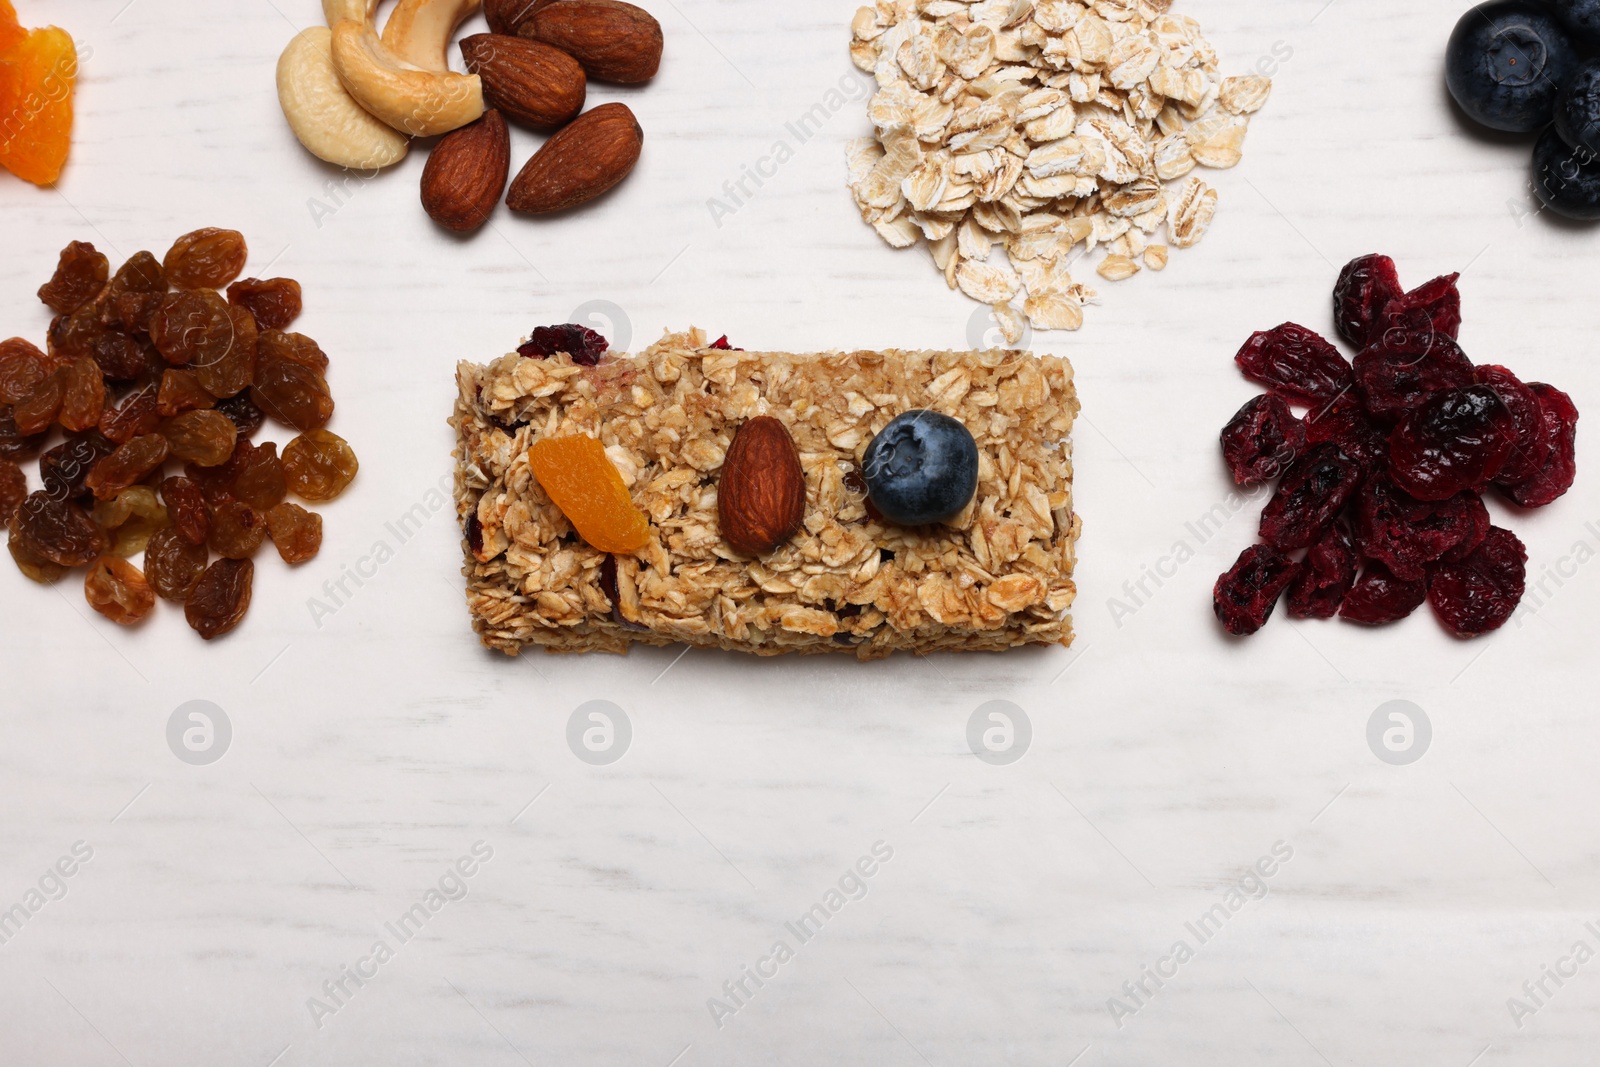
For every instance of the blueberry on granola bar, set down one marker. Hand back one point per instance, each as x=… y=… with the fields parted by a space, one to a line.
x=923 y=468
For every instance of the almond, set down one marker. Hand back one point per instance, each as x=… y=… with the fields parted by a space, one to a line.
x=508 y=16
x=761 y=497
x=586 y=158
x=467 y=172
x=615 y=41
x=530 y=81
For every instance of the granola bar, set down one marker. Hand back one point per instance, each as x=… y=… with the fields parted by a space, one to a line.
x=998 y=576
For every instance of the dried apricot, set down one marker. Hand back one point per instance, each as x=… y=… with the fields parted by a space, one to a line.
x=204 y=438
x=275 y=302
x=117 y=589
x=80 y=275
x=220 y=598
x=296 y=532
x=583 y=482
x=173 y=565
x=207 y=258
x=319 y=465
x=36 y=83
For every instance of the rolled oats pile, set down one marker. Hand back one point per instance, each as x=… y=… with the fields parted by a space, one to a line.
x=1049 y=128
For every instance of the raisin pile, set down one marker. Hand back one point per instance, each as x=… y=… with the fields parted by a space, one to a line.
x=157 y=385
x=1381 y=480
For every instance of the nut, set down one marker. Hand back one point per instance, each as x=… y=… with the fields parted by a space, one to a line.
x=360 y=10
x=465 y=175
x=531 y=82
x=586 y=158
x=419 y=102
x=326 y=118
x=419 y=31
x=761 y=497
x=615 y=41
x=507 y=16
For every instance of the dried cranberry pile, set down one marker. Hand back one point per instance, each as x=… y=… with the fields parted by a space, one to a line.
x=1381 y=481
x=150 y=365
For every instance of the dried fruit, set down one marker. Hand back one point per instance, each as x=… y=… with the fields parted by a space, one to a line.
x=614 y=41
x=36 y=412
x=1378 y=597
x=534 y=84
x=1345 y=423
x=273 y=303
x=37 y=77
x=13 y=489
x=1407 y=535
x=235 y=370
x=1261 y=440
x=143 y=281
x=296 y=532
x=319 y=465
x=1296 y=363
x=1478 y=594
x=181 y=391
x=83 y=397
x=130 y=463
x=1555 y=477
x=1245 y=595
x=1326 y=575
x=65 y=468
x=583 y=160
x=1456 y=440
x=117 y=589
x=292 y=393
x=22 y=366
x=1531 y=449
x=243 y=413
x=1312 y=493
x=584 y=345
x=467 y=173
x=1366 y=287
x=80 y=275
x=207 y=258
x=34 y=566
x=761 y=494
x=191 y=517
x=237 y=530
x=123 y=357
x=57 y=530
x=582 y=481
x=204 y=438
x=295 y=347
x=173 y=565
x=260 y=480
x=1404 y=367
x=220 y=598
x=139 y=413
x=131 y=518
x=192 y=326
x=1433 y=306
x=14 y=444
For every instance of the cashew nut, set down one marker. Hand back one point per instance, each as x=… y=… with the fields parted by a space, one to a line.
x=324 y=116
x=419 y=31
x=360 y=10
x=419 y=102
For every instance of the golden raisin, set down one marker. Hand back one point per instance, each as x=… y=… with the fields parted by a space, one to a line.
x=80 y=275
x=22 y=366
x=237 y=530
x=296 y=532
x=292 y=393
x=297 y=347
x=138 y=413
x=13 y=489
x=208 y=258
x=220 y=599
x=36 y=412
x=582 y=481
x=191 y=518
x=181 y=391
x=274 y=303
x=33 y=565
x=204 y=438
x=117 y=589
x=232 y=373
x=192 y=326
x=131 y=518
x=173 y=565
x=57 y=530
x=260 y=481
x=126 y=466
x=83 y=396
x=319 y=465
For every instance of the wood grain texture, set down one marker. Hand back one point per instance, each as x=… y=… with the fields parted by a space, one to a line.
x=374 y=742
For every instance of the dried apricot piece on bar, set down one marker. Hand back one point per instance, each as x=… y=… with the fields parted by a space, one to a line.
x=583 y=482
x=38 y=69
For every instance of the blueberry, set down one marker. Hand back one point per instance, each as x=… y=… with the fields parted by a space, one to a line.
x=1567 y=179
x=922 y=468
x=1578 y=108
x=1581 y=18
x=1506 y=63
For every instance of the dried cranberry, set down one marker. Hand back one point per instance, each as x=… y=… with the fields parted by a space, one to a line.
x=1326 y=575
x=721 y=344
x=1434 y=305
x=1479 y=593
x=1296 y=363
x=582 y=344
x=1532 y=447
x=474 y=531
x=1457 y=440
x=1555 y=477
x=1346 y=424
x=1313 y=490
x=1404 y=367
x=1378 y=597
x=1406 y=534
x=1365 y=287
x=1244 y=597
x=1261 y=440
x=613 y=592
